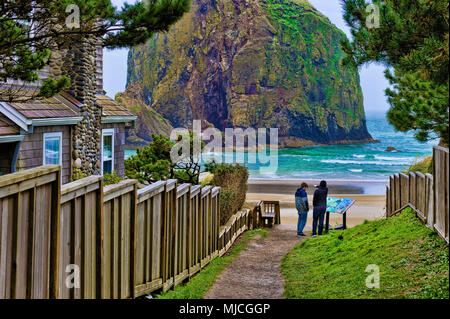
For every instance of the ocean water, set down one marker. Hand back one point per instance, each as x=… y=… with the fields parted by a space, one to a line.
x=346 y=162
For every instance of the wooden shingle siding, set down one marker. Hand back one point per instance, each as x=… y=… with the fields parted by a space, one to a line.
x=119 y=146
x=31 y=151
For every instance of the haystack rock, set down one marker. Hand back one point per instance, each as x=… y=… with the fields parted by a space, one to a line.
x=253 y=63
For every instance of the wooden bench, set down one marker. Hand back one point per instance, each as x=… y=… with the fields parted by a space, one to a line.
x=268 y=213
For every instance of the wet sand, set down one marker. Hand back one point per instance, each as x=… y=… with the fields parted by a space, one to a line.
x=369 y=205
x=336 y=187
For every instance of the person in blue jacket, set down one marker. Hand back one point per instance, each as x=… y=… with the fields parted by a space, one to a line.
x=301 y=203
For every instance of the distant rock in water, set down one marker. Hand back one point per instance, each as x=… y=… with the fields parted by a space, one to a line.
x=148 y=120
x=391 y=149
x=253 y=63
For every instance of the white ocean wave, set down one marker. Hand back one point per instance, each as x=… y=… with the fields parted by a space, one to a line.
x=333 y=161
x=393 y=158
x=356 y=170
x=269 y=175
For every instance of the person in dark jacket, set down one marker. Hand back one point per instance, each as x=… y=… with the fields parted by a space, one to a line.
x=301 y=203
x=320 y=207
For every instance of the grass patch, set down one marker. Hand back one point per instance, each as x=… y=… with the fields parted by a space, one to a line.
x=424 y=166
x=200 y=284
x=413 y=262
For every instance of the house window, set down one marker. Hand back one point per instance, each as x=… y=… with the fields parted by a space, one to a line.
x=107 y=151
x=52 y=148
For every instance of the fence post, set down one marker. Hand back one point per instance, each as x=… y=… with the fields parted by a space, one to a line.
x=429 y=208
x=54 y=233
x=412 y=188
x=210 y=221
x=133 y=214
x=404 y=190
x=396 y=191
x=188 y=230
x=388 y=202
x=164 y=235
x=218 y=218
x=173 y=212
x=99 y=238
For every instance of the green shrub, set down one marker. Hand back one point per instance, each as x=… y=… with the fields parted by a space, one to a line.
x=153 y=162
x=110 y=179
x=77 y=174
x=233 y=182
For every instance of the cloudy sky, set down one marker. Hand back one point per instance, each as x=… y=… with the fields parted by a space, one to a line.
x=373 y=82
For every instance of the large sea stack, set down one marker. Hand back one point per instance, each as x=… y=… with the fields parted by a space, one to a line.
x=253 y=63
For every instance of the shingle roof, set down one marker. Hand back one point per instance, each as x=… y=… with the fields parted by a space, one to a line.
x=7 y=127
x=54 y=107
x=111 y=107
x=64 y=105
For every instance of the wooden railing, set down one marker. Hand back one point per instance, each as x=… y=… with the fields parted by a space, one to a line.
x=427 y=194
x=120 y=241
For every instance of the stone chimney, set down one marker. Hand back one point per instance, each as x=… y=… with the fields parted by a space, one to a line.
x=78 y=61
x=99 y=65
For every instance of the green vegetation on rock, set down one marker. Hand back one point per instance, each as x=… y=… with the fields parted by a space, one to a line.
x=413 y=262
x=268 y=63
x=148 y=121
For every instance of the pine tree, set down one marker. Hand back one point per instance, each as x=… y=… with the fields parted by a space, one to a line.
x=29 y=28
x=412 y=42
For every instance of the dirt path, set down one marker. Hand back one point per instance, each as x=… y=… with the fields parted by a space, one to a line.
x=255 y=273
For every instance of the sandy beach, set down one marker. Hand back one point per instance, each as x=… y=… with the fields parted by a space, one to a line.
x=369 y=205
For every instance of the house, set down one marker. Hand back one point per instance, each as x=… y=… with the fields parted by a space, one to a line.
x=80 y=129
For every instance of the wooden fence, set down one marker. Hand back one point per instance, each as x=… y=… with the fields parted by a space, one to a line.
x=427 y=194
x=120 y=241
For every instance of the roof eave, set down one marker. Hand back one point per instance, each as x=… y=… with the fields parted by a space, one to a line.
x=15 y=116
x=118 y=119
x=11 y=138
x=57 y=121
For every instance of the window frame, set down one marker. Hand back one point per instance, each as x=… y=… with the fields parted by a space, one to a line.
x=107 y=132
x=52 y=135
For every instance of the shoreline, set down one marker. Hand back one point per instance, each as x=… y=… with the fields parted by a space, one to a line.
x=366 y=207
x=336 y=187
x=281 y=146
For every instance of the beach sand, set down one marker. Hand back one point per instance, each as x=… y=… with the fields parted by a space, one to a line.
x=367 y=206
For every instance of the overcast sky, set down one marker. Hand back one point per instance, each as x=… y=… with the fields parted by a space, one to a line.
x=373 y=82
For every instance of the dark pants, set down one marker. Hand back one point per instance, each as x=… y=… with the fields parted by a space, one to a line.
x=318 y=216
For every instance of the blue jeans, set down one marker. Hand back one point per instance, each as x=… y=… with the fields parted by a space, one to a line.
x=318 y=216
x=302 y=217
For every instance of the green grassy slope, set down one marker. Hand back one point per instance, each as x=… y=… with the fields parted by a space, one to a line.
x=413 y=262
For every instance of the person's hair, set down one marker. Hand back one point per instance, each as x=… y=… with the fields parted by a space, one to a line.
x=304 y=185
x=323 y=184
